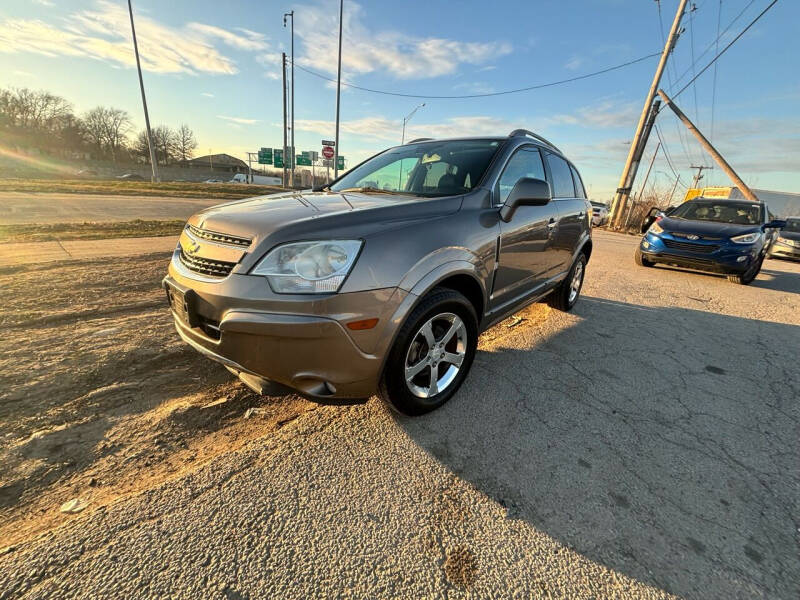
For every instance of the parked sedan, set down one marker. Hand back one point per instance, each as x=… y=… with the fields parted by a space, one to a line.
x=723 y=236
x=599 y=213
x=787 y=244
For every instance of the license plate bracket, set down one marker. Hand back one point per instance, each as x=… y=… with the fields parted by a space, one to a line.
x=182 y=303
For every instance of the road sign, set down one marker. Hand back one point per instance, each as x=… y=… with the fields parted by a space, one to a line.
x=328 y=143
x=327 y=152
x=265 y=156
x=278 y=156
x=303 y=161
x=340 y=162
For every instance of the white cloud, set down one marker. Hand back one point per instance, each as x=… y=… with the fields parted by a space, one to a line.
x=207 y=94
x=239 y=120
x=103 y=33
x=382 y=128
x=574 y=63
x=604 y=114
x=271 y=61
x=366 y=50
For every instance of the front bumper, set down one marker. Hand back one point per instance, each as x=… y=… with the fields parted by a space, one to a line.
x=728 y=259
x=299 y=341
x=782 y=250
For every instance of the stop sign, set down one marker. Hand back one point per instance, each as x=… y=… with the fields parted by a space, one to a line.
x=327 y=152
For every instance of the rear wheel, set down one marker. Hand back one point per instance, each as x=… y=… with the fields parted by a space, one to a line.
x=641 y=260
x=748 y=276
x=566 y=294
x=432 y=354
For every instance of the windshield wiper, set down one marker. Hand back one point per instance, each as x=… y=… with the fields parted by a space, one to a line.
x=369 y=190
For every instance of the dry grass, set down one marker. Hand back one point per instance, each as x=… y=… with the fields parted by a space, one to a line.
x=223 y=191
x=88 y=230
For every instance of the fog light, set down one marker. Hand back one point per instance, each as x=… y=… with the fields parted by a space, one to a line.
x=742 y=258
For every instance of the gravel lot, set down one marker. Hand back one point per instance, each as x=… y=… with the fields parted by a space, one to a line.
x=643 y=446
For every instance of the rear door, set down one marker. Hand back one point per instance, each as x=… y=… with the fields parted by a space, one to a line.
x=525 y=254
x=571 y=205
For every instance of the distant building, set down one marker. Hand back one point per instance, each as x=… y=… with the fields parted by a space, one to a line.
x=781 y=204
x=218 y=162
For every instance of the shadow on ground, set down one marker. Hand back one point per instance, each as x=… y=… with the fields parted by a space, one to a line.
x=661 y=442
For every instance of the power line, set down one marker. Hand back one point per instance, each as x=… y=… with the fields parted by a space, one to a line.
x=714 y=85
x=488 y=94
x=725 y=49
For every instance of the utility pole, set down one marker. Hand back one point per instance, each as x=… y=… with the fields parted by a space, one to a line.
x=698 y=176
x=743 y=187
x=338 y=94
x=150 y=146
x=644 y=183
x=283 y=69
x=291 y=15
x=629 y=171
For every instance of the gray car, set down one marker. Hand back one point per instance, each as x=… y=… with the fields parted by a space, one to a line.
x=383 y=280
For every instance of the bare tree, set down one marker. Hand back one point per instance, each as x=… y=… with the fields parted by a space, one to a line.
x=107 y=129
x=185 y=142
x=164 y=139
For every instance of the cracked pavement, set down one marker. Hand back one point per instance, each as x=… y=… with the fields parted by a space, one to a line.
x=643 y=446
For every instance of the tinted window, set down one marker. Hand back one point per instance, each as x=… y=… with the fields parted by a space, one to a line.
x=525 y=163
x=579 y=191
x=739 y=213
x=423 y=169
x=562 y=177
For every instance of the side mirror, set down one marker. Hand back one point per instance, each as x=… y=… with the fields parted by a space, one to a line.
x=654 y=214
x=774 y=224
x=528 y=191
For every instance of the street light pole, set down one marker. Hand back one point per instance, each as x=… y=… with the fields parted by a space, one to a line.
x=150 y=146
x=406 y=120
x=291 y=16
x=338 y=94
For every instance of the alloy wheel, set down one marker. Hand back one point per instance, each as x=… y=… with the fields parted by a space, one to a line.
x=435 y=355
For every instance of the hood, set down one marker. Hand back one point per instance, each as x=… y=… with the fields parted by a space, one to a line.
x=705 y=228
x=256 y=218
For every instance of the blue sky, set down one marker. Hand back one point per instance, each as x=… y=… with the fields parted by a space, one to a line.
x=216 y=66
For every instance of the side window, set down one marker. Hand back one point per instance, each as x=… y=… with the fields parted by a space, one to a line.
x=579 y=191
x=525 y=163
x=562 y=177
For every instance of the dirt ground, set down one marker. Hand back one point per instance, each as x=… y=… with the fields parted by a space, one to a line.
x=99 y=397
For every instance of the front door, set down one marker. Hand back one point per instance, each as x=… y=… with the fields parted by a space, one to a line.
x=525 y=257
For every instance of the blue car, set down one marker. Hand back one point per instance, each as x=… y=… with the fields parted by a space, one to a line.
x=721 y=236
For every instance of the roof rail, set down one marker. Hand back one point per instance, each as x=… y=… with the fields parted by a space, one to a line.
x=420 y=140
x=525 y=132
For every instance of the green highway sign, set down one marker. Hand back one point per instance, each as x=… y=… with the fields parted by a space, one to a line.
x=304 y=160
x=265 y=156
x=340 y=161
x=278 y=156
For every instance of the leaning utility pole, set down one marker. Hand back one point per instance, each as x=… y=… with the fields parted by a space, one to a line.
x=743 y=187
x=644 y=184
x=699 y=175
x=338 y=94
x=291 y=128
x=283 y=68
x=631 y=166
x=150 y=146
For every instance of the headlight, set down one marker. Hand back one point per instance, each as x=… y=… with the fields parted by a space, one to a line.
x=309 y=267
x=747 y=238
x=655 y=228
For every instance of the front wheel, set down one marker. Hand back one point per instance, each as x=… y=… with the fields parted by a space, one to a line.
x=641 y=260
x=748 y=276
x=432 y=354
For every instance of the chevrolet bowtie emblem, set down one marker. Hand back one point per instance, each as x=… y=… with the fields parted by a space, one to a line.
x=193 y=247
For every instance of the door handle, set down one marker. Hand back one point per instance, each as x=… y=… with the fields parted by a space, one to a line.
x=552 y=223
x=581 y=214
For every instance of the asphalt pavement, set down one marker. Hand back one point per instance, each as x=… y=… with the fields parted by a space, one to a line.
x=642 y=446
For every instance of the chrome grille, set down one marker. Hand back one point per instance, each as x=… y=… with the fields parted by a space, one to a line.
x=220 y=238
x=213 y=268
x=699 y=248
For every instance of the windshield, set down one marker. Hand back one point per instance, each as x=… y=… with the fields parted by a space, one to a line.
x=792 y=225
x=426 y=169
x=736 y=213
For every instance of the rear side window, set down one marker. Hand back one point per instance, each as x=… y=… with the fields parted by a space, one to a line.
x=525 y=163
x=579 y=191
x=562 y=177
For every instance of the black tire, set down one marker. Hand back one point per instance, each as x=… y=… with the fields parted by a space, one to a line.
x=640 y=260
x=562 y=298
x=748 y=276
x=393 y=387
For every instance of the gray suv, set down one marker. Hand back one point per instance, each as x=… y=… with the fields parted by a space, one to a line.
x=383 y=280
